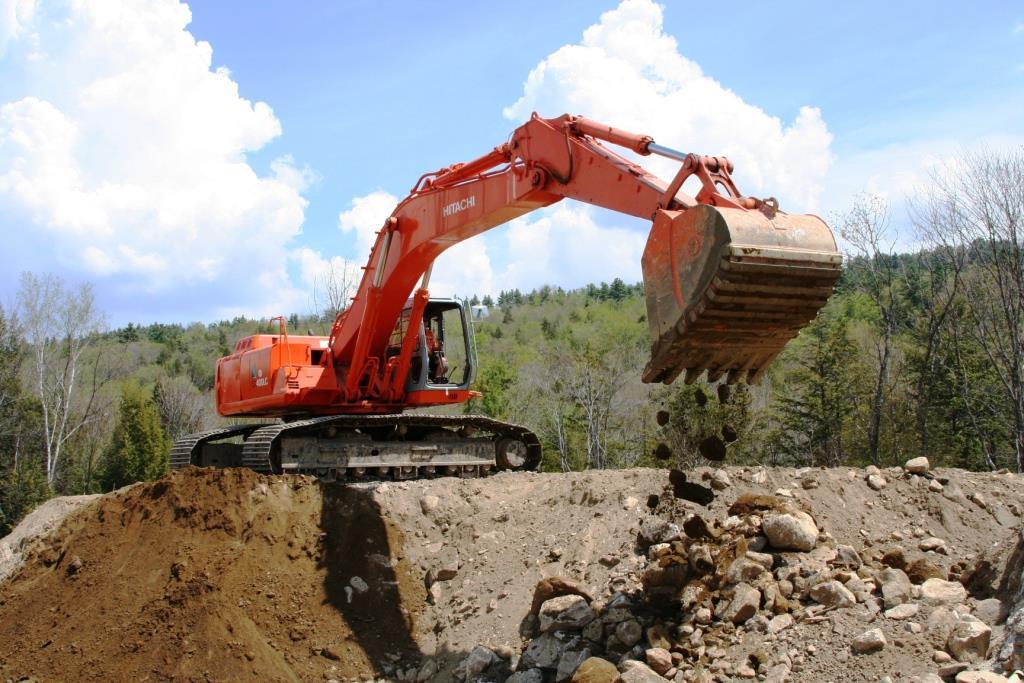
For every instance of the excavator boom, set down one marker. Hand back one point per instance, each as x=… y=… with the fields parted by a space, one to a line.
x=729 y=279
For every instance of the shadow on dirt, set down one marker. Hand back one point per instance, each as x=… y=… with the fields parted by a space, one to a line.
x=377 y=593
x=365 y=581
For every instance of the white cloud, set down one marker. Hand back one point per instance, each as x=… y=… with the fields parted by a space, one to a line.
x=15 y=17
x=364 y=218
x=627 y=72
x=125 y=154
x=562 y=245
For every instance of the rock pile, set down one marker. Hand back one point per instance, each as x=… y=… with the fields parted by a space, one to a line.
x=710 y=586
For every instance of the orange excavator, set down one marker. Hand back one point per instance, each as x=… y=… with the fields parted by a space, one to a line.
x=729 y=279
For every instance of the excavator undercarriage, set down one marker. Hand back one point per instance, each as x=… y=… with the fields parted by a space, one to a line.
x=360 y=447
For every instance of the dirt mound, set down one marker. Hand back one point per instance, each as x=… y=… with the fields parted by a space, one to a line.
x=36 y=525
x=212 y=575
x=229 y=575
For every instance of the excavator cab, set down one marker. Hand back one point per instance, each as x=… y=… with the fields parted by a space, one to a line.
x=443 y=357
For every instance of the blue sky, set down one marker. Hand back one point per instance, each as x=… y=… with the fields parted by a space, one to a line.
x=129 y=160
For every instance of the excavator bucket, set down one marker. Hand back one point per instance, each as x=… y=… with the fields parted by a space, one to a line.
x=727 y=288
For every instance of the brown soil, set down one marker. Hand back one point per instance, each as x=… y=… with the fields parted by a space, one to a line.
x=228 y=575
x=212 y=575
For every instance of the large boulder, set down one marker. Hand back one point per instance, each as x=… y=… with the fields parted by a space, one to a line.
x=940 y=592
x=917 y=465
x=969 y=640
x=791 y=531
x=895 y=585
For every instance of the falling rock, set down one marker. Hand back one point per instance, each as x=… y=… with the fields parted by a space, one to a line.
x=832 y=594
x=544 y=652
x=791 y=531
x=743 y=605
x=569 y=662
x=595 y=670
x=657 y=530
x=917 y=465
x=903 y=611
x=629 y=632
x=969 y=640
x=475 y=663
x=869 y=641
x=939 y=592
x=565 y=612
x=638 y=672
x=895 y=587
x=877 y=482
x=529 y=676
x=658 y=659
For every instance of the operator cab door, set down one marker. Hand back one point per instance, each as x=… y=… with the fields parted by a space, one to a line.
x=443 y=357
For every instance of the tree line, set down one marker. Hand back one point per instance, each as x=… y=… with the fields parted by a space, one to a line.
x=916 y=354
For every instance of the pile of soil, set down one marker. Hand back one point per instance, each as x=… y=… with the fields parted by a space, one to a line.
x=221 y=575
x=213 y=575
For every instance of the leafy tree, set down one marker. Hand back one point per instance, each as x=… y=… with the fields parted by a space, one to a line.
x=818 y=399
x=139 y=449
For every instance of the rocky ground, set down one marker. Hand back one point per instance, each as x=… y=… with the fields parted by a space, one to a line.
x=638 y=575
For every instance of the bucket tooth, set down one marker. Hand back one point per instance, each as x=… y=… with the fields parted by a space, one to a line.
x=727 y=288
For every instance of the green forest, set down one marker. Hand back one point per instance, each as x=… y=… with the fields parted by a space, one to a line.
x=916 y=354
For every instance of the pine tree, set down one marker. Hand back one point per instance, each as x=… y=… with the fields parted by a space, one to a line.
x=139 y=449
x=819 y=396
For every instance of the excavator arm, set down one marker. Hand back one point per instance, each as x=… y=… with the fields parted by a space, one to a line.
x=729 y=279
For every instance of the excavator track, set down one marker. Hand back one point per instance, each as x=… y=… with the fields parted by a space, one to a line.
x=402 y=446
x=185 y=447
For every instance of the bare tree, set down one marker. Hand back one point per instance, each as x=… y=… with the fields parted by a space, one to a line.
x=334 y=287
x=865 y=227
x=182 y=407
x=59 y=326
x=547 y=408
x=981 y=196
x=933 y=289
